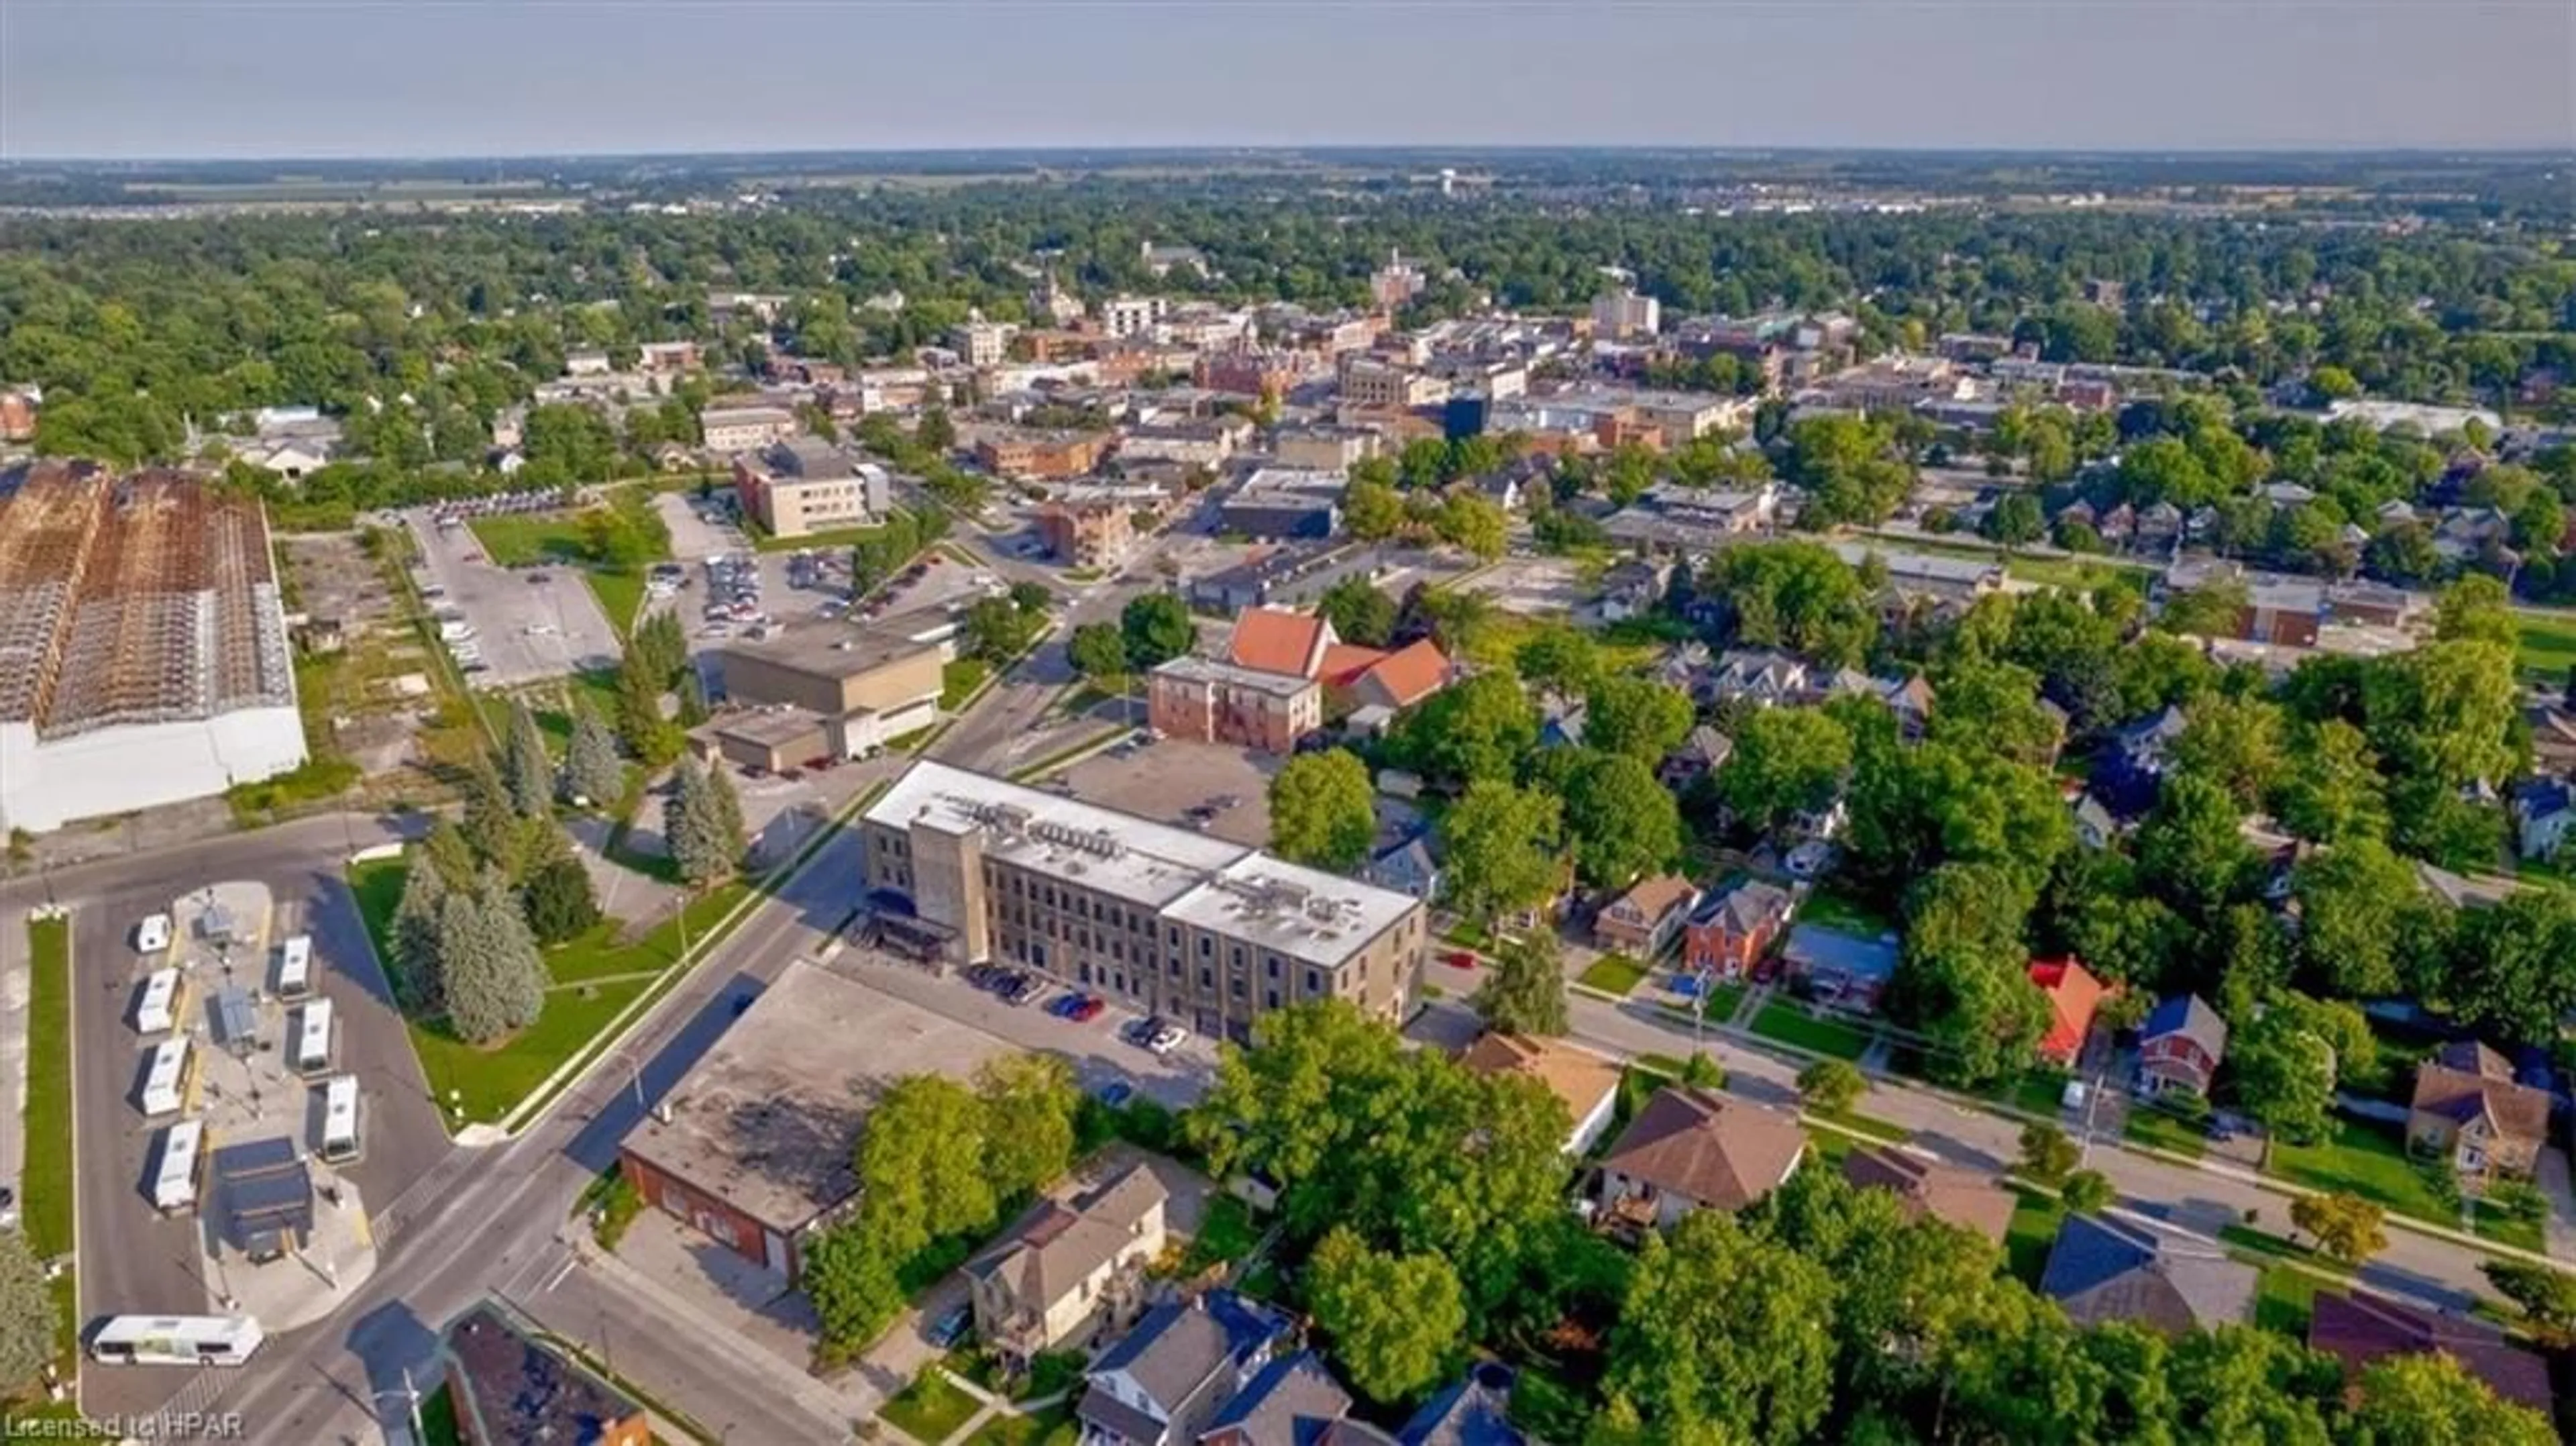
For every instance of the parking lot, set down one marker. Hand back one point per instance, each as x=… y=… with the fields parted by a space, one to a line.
x=701 y=529
x=527 y=623
x=1532 y=586
x=1172 y=779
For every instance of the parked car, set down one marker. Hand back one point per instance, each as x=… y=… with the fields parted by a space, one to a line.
x=1088 y=1007
x=1115 y=1093
x=1167 y=1039
x=950 y=1329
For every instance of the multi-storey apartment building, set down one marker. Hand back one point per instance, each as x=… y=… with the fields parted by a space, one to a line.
x=1160 y=919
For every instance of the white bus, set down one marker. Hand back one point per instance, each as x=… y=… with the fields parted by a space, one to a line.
x=340 y=1120
x=163 y=1003
x=176 y=1340
x=295 y=967
x=313 y=1038
x=168 y=1079
x=174 y=1181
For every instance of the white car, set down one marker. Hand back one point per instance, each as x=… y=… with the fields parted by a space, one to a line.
x=152 y=936
x=1167 y=1039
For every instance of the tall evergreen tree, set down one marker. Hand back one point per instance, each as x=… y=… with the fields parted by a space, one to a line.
x=526 y=772
x=726 y=802
x=490 y=825
x=591 y=768
x=415 y=938
x=693 y=826
x=489 y=969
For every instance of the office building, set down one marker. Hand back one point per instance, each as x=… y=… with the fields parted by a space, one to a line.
x=1163 y=920
x=856 y=691
x=804 y=485
x=744 y=429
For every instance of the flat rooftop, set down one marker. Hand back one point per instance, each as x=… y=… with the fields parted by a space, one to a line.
x=770 y=727
x=1217 y=670
x=830 y=650
x=1269 y=903
x=145 y=598
x=769 y=1117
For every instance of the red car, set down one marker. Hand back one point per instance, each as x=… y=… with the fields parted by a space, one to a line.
x=1090 y=1007
x=1460 y=959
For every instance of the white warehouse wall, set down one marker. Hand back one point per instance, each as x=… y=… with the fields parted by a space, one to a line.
x=45 y=784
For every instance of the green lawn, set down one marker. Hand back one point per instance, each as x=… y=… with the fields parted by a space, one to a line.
x=2262 y=1247
x=2151 y=1126
x=438 y=1420
x=1834 y=909
x=620 y=591
x=2041 y=1092
x=2496 y=1225
x=491 y=1081
x=528 y=539
x=45 y=1194
x=2368 y=1161
x=1790 y=1024
x=1723 y=1000
x=2548 y=644
x=830 y=539
x=2283 y=1300
x=2033 y=1231
x=1226 y=1234
x=1883 y=1131
x=930 y=1409
x=1615 y=974
x=958 y=681
x=1050 y=1427
x=1830 y=1146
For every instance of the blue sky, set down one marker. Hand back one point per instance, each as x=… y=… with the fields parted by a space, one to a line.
x=258 y=78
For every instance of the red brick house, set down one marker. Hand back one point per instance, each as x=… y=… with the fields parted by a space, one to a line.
x=1733 y=927
x=1644 y=919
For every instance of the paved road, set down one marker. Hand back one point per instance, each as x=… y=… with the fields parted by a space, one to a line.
x=2419 y=1267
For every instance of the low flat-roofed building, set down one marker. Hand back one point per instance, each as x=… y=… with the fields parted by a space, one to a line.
x=510 y=1387
x=775 y=739
x=1162 y=919
x=1018 y=453
x=754 y=1145
x=867 y=687
x=744 y=429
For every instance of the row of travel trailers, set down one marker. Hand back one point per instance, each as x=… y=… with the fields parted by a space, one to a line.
x=166 y=995
x=179 y=1164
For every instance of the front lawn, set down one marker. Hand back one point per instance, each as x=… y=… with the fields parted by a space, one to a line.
x=2368 y=1161
x=930 y=1409
x=2284 y=1300
x=2548 y=644
x=1790 y=1024
x=2151 y=1126
x=489 y=1081
x=2032 y=1233
x=1050 y=1427
x=1886 y=1132
x=2507 y=1229
x=531 y=539
x=1615 y=974
x=2041 y=1092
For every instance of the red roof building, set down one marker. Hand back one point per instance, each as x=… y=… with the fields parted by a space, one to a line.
x=2073 y=996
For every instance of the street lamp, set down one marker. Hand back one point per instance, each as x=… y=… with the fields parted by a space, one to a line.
x=411 y=1399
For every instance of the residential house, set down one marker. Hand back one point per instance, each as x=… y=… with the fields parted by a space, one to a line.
x=2095 y=825
x=2074 y=994
x=1410 y=867
x=2544 y=812
x=1732 y=927
x=1370 y=677
x=1292 y=1401
x=2102 y=1270
x=1645 y=919
x=1275 y=640
x=2180 y=1045
x=2361 y=1329
x=1560 y=723
x=2553 y=736
x=1762 y=678
x=1165 y=1382
x=1068 y=1268
x=1632 y=588
x=1692 y=1149
x=1970 y=1199
x=1086 y=534
x=1703 y=752
x=1844 y=970
x=510 y=1387
x=1473 y=1412
x=2131 y=771
x=2469 y=1109
x=1587 y=1083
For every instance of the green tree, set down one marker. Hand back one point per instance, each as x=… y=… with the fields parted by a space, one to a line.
x=693 y=827
x=559 y=900
x=1785 y=761
x=2545 y=1294
x=1796 y=595
x=1396 y=1322
x=489 y=824
x=642 y=726
x=921 y=1163
x=1832 y=1086
x=1030 y=1101
x=997 y=630
x=1475 y=522
x=527 y=773
x=2233 y=742
x=489 y=974
x=2209 y=610
x=2477 y=608
x=2330 y=790
x=2015 y=520
x=27 y=1317
x=1996 y=707
x=2347 y=1227
x=1359 y=612
x=2359 y=910
x=1323 y=810
x=2430 y=1399
x=414 y=938
x=591 y=768
x=1638 y=717
x=1157 y=628
x=2086 y=1192
x=2445 y=713
x=2047 y=1156
x=1477 y=730
x=1524 y=989
x=853 y=1276
x=1620 y=821
x=935 y=432
x=2509 y=974
x=1724 y=1333
x=2191 y=853
x=1501 y=846
x=1372 y=511
x=1098 y=652
x=2283 y=1076
x=1562 y=659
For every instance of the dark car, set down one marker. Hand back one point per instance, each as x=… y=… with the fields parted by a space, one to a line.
x=947 y=1331
x=1115 y=1093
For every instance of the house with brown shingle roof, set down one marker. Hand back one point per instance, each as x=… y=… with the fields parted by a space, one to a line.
x=2361 y=1329
x=1068 y=1267
x=1693 y=1149
x=1645 y=919
x=2469 y=1109
x=1966 y=1198
x=1587 y=1083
